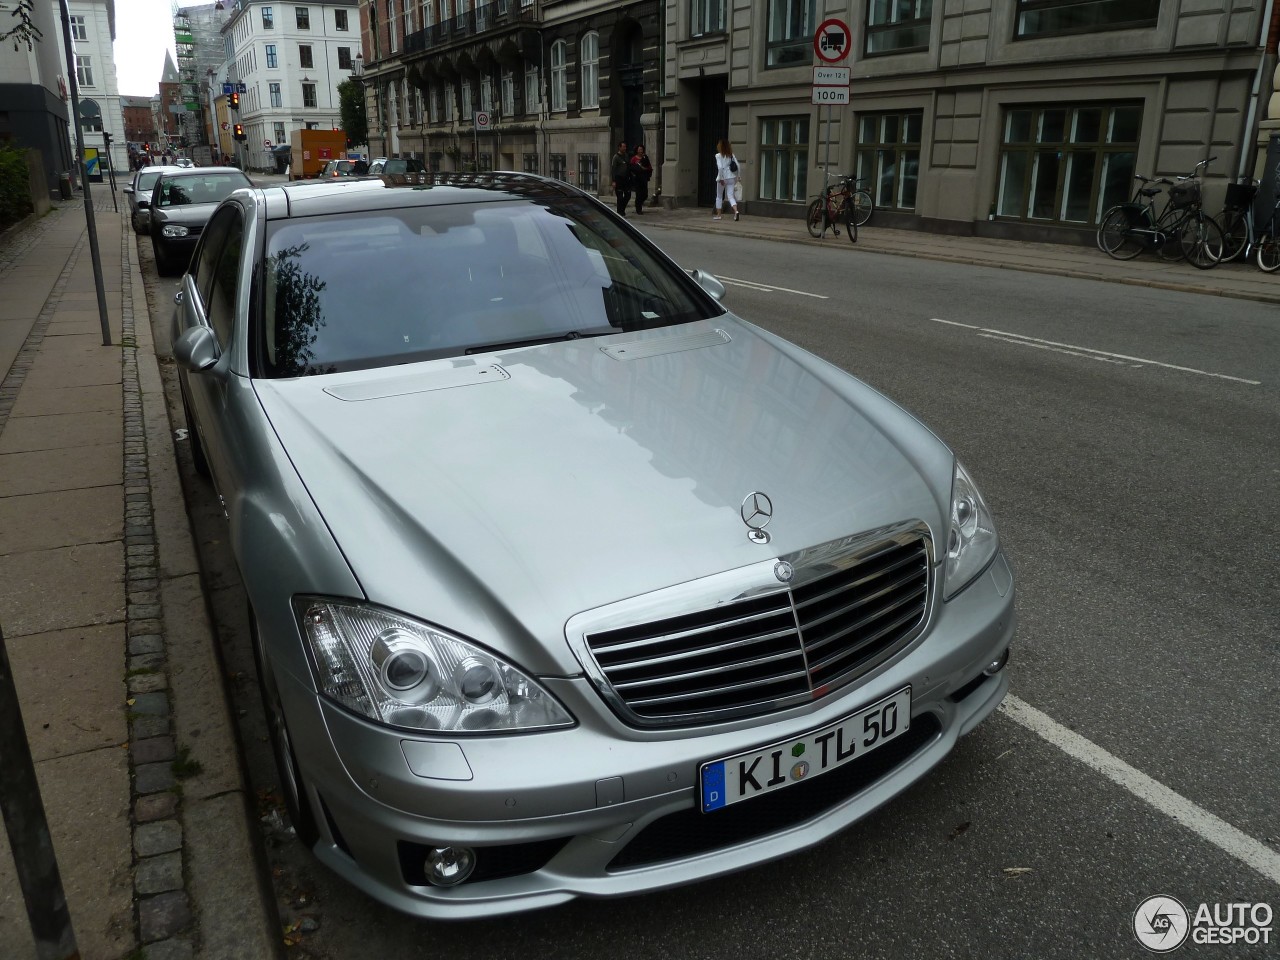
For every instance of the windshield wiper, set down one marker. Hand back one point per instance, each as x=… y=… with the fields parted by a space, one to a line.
x=535 y=341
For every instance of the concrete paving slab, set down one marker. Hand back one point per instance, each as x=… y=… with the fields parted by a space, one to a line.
x=72 y=689
x=45 y=521
x=15 y=305
x=57 y=589
x=85 y=372
x=59 y=430
x=38 y=401
x=64 y=328
x=43 y=471
x=92 y=842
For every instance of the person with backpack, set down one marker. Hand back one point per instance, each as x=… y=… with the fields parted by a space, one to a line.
x=726 y=179
x=641 y=171
x=620 y=174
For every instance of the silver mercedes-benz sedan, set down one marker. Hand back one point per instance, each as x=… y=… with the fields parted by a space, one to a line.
x=564 y=580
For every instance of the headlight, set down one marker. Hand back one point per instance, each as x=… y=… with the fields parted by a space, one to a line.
x=174 y=230
x=972 y=541
x=408 y=674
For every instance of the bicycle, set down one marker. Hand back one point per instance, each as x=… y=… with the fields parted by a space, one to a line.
x=1182 y=230
x=1268 y=245
x=1236 y=219
x=841 y=202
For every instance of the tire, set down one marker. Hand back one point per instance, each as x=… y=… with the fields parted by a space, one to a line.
x=1202 y=242
x=1269 y=254
x=198 y=458
x=1116 y=237
x=1170 y=249
x=849 y=217
x=291 y=784
x=863 y=206
x=1235 y=232
x=165 y=265
x=813 y=219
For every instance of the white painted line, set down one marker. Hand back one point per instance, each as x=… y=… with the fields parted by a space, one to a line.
x=1253 y=853
x=1070 y=353
x=768 y=288
x=1102 y=353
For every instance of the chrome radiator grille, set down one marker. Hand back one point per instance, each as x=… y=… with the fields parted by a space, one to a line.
x=848 y=608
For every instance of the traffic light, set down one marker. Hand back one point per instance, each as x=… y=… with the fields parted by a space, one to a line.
x=239 y=132
x=235 y=101
x=146 y=148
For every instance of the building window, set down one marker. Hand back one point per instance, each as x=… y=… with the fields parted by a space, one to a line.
x=309 y=95
x=784 y=158
x=508 y=92
x=486 y=93
x=84 y=71
x=530 y=163
x=304 y=56
x=707 y=16
x=896 y=26
x=449 y=103
x=268 y=19
x=531 y=89
x=559 y=75
x=391 y=25
x=468 y=105
x=1040 y=18
x=303 y=15
x=888 y=157
x=435 y=160
x=279 y=132
x=589 y=172
x=340 y=20
x=271 y=55
x=590 y=61
x=428 y=14
x=790 y=38
x=78 y=29
x=486 y=162
x=558 y=166
x=1067 y=164
x=344 y=58
x=273 y=89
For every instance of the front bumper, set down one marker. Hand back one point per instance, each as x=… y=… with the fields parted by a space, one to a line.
x=604 y=809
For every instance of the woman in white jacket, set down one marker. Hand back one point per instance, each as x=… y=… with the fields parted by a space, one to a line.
x=726 y=177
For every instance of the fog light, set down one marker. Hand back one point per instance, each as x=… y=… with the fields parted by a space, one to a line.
x=995 y=666
x=449 y=865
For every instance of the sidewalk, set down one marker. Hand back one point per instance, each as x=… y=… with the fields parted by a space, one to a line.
x=102 y=607
x=104 y=619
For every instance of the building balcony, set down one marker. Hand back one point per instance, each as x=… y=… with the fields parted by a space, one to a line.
x=482 y=20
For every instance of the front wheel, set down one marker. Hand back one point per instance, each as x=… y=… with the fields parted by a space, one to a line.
x=1169 y=239
x=1116 y=236
x=1269 y=254
x=1202 y=242
x=863 y=206
x=849 y=217
x=815 y=219
x=1235 y=234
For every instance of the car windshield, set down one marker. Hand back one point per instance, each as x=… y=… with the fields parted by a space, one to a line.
x=402 y=166
x=384 y=287
x=210 y=188
x=147 y=180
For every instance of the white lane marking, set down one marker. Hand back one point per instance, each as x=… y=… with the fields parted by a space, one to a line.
x=1214 y=829
x=1004 y=334
x=1070 y=353
x=768 y=287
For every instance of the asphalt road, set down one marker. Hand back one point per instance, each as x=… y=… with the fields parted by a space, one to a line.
x=1126 y=441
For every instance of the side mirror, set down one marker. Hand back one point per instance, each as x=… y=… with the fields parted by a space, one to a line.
x=708 y=283
x=196 y=349
x=128 y=190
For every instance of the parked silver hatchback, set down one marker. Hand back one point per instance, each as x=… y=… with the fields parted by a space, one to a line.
x=564 y=580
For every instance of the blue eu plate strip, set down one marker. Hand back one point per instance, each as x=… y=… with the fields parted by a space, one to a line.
x=713 y=786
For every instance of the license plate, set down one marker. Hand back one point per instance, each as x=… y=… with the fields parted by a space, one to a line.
x=779 y=765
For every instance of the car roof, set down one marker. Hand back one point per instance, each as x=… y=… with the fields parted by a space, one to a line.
x=304 y=198
x=160 y=168
x=173 y=173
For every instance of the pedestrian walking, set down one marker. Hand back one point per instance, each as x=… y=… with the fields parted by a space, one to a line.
x=641 y=173
x=620 y=173
x=726 y=179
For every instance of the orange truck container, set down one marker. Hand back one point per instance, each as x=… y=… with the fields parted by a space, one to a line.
x=310 y=150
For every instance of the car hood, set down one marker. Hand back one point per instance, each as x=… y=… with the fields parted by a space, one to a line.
x=498 y=495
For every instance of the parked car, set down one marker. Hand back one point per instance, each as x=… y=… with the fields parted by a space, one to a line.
x=138 y=191
x=181 y=203
x=184 y=162
x=341 y=168
x=396 y=166
x=563 y=580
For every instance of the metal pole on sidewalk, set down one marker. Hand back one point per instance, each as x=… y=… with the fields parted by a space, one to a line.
x=84 y=173
x=24 y=820
x=111 y=169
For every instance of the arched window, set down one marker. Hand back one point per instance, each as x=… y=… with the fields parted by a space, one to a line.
x=559 y=75
x=590 y=60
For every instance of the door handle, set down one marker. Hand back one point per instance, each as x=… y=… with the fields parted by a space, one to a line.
x=177 y=297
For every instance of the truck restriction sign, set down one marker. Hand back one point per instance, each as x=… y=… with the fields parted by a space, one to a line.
x=831 y=85
x=833 y=40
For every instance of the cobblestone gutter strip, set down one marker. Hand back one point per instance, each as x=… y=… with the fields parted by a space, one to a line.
x=164 y=909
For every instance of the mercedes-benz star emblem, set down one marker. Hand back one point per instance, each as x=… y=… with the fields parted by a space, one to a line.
x=756 y=511
x=783 y=571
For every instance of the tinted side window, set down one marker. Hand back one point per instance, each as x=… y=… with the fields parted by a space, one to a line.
x=206 y=258
x=220 y=306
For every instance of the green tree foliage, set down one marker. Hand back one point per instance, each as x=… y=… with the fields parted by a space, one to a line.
x=15 y=186
x=25 y=30
x=355 y=123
